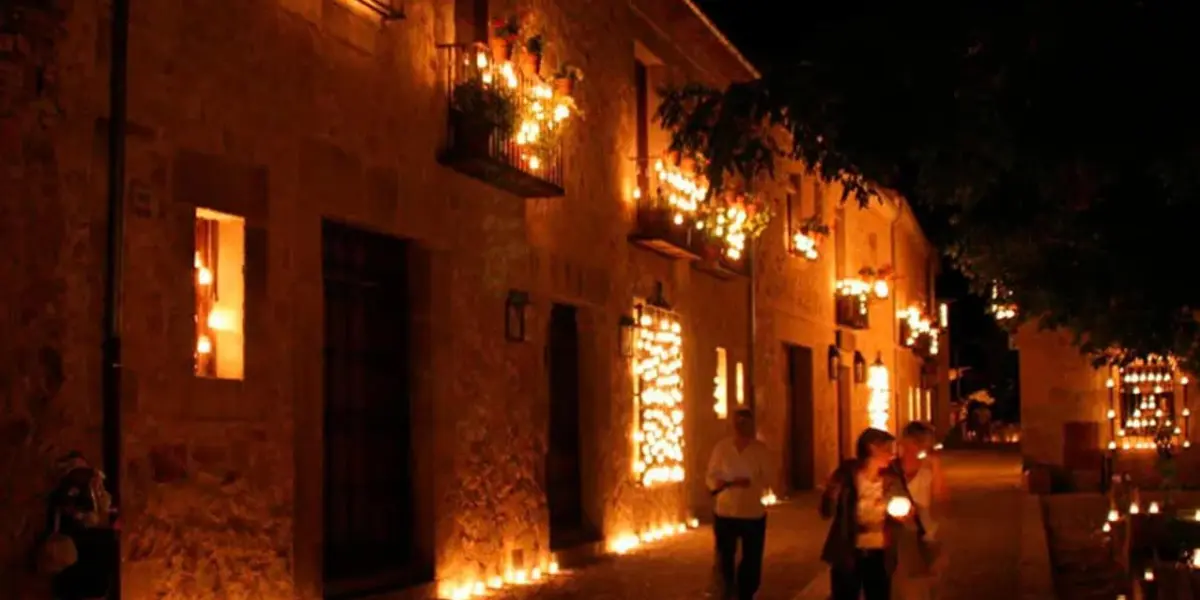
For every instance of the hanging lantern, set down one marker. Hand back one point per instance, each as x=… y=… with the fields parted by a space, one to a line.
x=515 y=307
x=625 y=335
x=835 y=362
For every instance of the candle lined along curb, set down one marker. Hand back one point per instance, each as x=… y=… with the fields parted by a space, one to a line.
x=621 y=544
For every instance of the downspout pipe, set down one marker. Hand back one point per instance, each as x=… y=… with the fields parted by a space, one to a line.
x=114 y=266
x=895 y=343
x=751 y=321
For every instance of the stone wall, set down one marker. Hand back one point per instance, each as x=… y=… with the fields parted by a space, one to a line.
x=1058 y=386
x=1061 y=393
x=288 y=112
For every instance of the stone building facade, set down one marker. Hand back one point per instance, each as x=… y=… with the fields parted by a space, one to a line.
x=1065 y=420
x=392 y=325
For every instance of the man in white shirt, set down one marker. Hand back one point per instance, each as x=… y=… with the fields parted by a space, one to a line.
x=738 y=472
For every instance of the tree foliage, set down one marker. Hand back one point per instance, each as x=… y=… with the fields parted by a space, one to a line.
x=1054 y=147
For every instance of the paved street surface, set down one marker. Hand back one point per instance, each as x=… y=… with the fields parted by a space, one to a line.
x=981 y=530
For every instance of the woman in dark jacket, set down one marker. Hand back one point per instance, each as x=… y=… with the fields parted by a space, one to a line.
x=859 y=549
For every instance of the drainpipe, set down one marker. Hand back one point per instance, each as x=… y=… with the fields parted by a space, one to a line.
x=114 y=266
x=895 y=343
x=751 y=322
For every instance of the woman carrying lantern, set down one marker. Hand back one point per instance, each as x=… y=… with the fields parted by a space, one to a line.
x=868 y=502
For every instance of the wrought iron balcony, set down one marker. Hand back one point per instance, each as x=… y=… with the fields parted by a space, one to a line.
x=661 y=229
x=852 y=311
x=722 y=266
x=477 y=145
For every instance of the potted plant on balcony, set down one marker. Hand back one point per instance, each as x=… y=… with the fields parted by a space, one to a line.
x=566 y=78
x=535 y=47
x=813 y=227
x=481 y=110
x=504 y=37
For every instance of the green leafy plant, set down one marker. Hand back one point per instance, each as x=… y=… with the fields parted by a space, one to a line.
x=506 y=29
x=814 y=226
x=486 y=105
x=569 y=72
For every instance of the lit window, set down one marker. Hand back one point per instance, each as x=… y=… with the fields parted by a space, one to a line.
x=721 y=386
x=220 y=294
x=879 y=404
x=740 y=379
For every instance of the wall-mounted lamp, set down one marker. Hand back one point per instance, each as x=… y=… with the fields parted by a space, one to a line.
x=835 y=362
x=626 y=330
x=860 y=368
x=659 y=299
x=515 y=307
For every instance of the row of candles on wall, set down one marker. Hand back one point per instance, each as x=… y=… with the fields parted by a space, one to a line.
x=1148 y=421
x=1114 y=517
x=658 y=377
x=480 y=587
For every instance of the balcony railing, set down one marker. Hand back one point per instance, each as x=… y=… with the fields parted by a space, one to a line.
x=923 y=344
x=483 y=150
x=852 y=311
x=722 y=266
x=660 y=229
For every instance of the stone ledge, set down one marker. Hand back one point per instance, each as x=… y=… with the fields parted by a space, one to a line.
x=1035 y=580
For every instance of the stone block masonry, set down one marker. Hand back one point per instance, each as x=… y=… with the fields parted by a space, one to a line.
x=295 y=114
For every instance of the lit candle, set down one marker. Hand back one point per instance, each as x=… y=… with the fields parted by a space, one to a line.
x=1106 y=527
x=1114 y=516
x=1133 y=509
x=1148 y=575
x=1154 y=508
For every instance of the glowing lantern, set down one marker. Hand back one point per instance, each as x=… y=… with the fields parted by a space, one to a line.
x=899 y=507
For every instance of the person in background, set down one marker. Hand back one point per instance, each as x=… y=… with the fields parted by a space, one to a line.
x=739 y=470
x=860 y=548
x=916 y=575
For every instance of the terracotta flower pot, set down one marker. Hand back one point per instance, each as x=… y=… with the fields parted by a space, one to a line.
x=564 y=85
x=502 y=50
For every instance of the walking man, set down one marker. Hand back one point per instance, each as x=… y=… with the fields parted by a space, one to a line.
x=738 y=472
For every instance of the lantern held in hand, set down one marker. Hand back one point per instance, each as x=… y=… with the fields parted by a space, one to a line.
x=899 y=507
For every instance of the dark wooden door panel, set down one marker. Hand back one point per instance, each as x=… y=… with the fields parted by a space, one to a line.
x=800 y=388
x=369 y=522
x=564 y=464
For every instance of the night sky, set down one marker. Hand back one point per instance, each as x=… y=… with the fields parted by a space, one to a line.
x=794 y=28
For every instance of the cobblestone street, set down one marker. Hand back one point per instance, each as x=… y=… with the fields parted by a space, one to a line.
x=982 y=531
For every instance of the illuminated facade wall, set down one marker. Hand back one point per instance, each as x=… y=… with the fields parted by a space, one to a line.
x=1070 y=418
x=299 y=111
x=288 y=113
